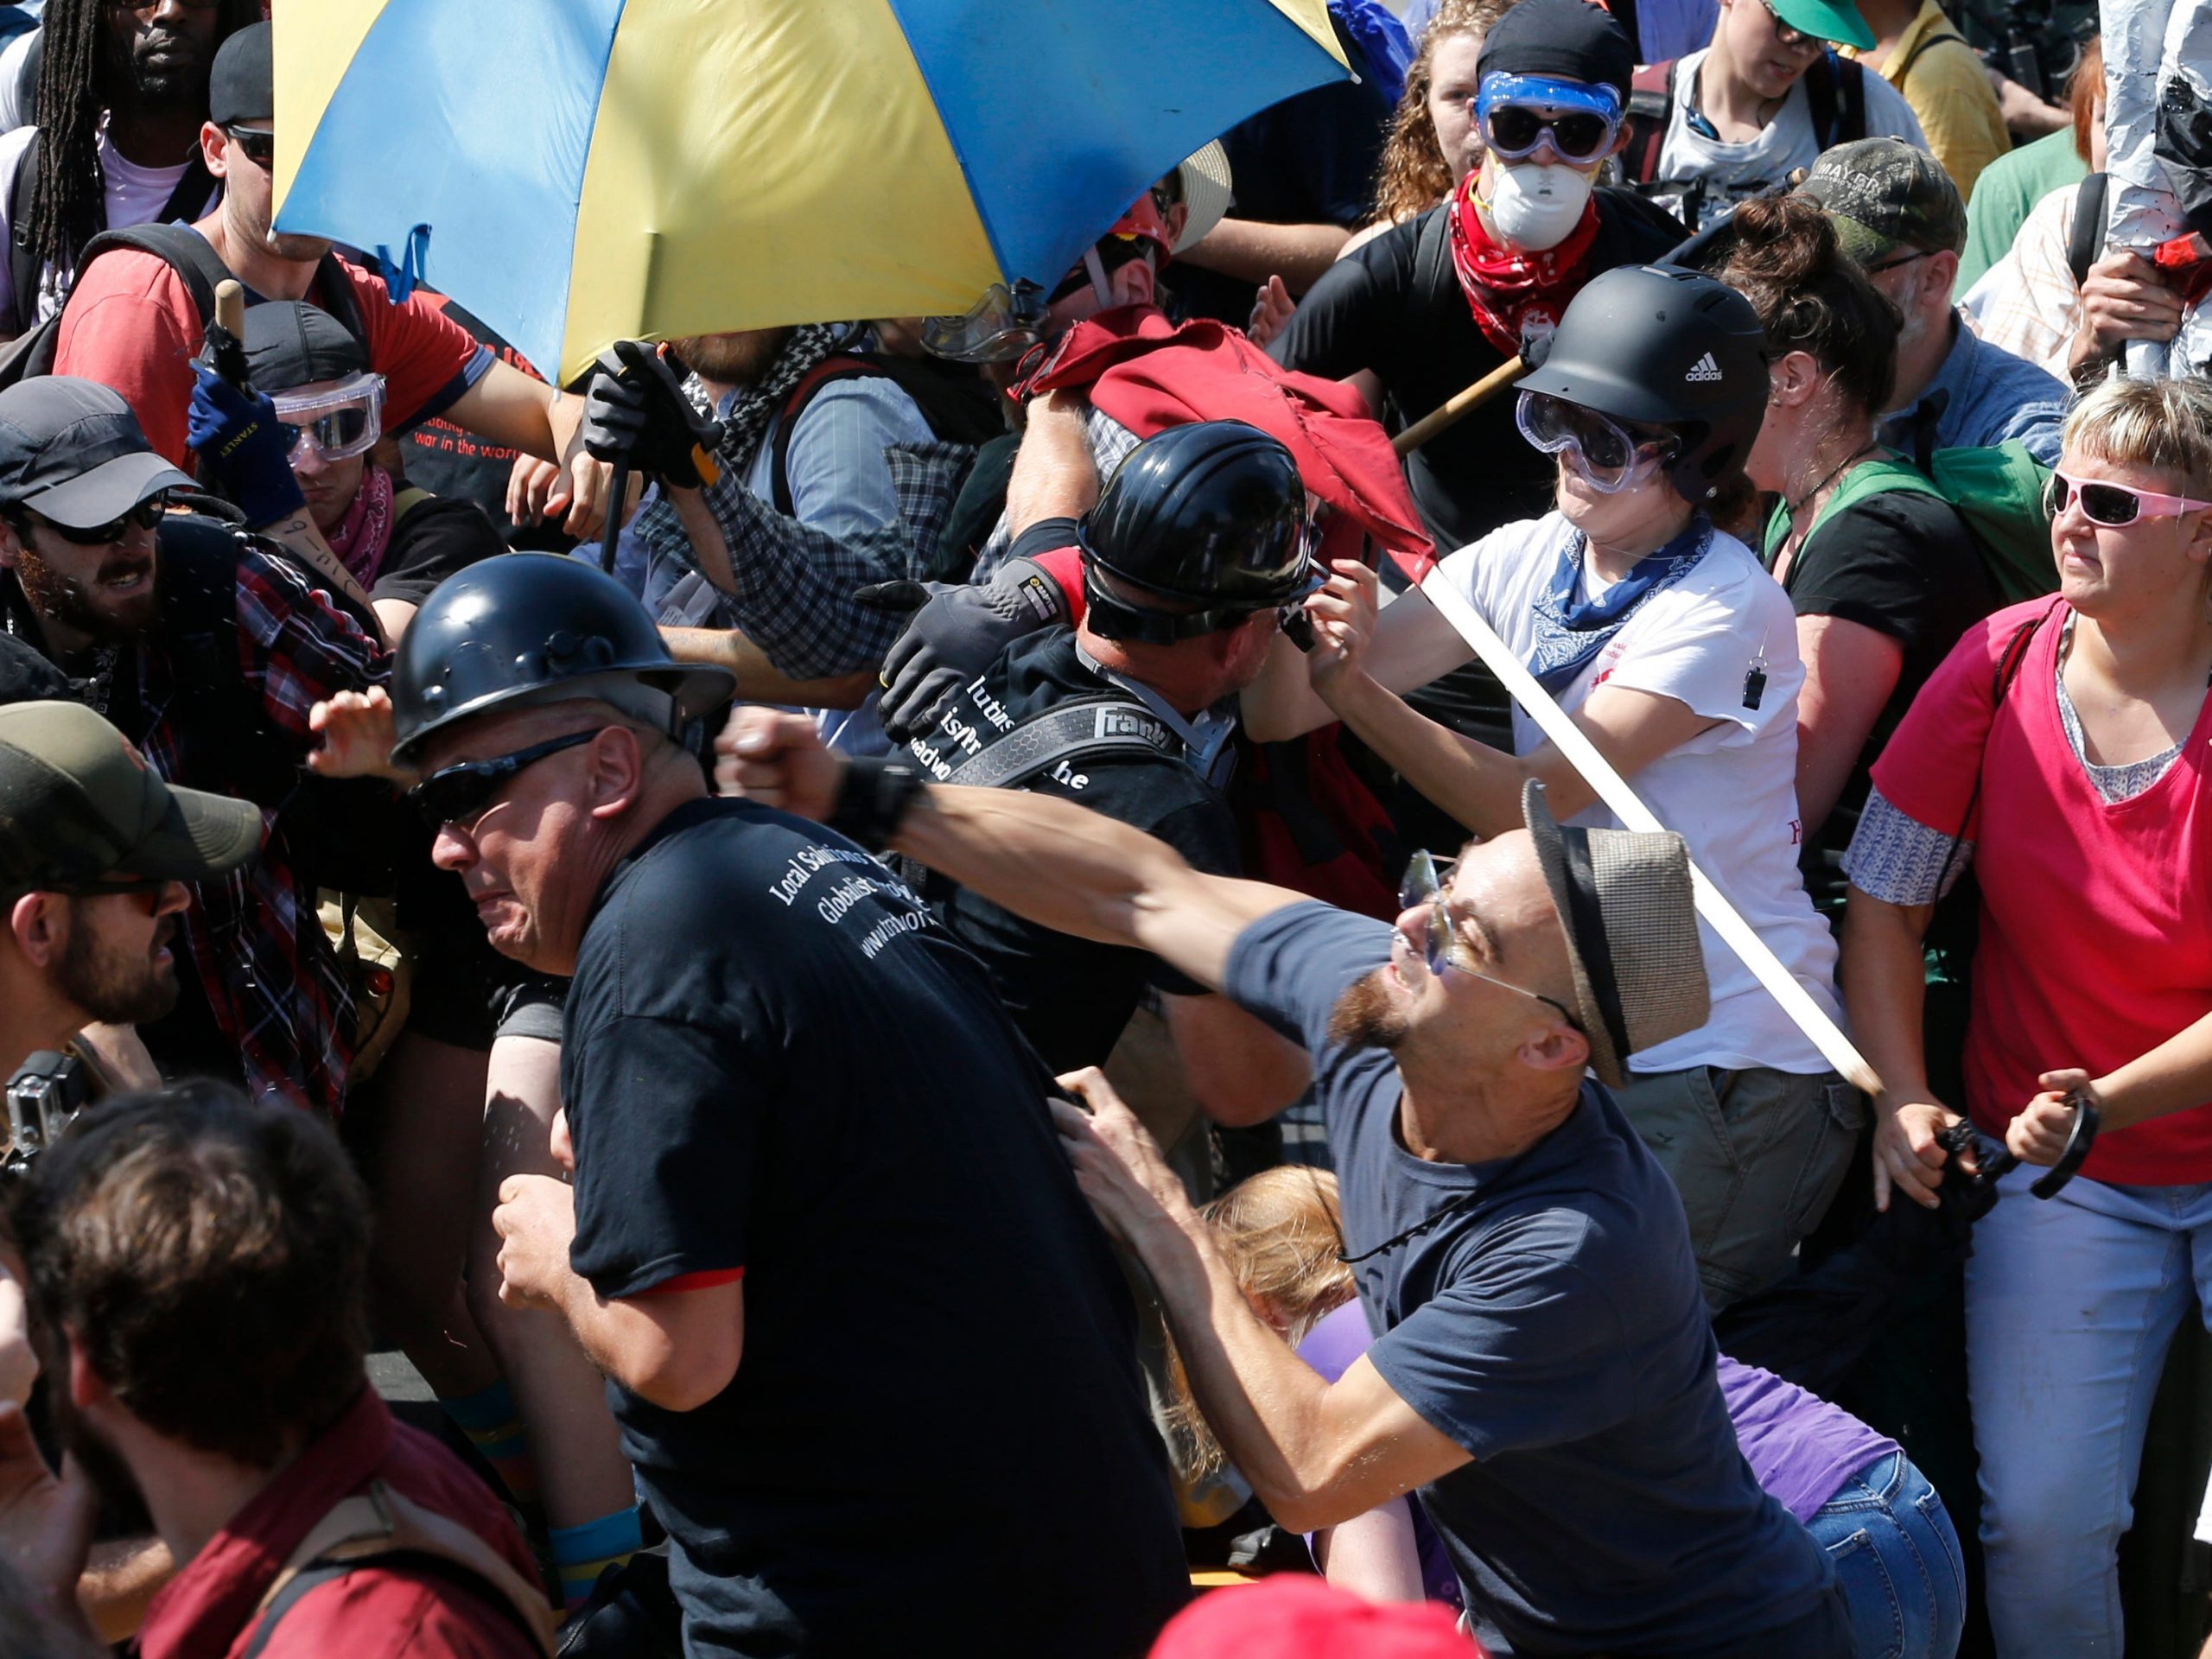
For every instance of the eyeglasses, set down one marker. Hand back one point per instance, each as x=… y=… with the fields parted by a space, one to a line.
x=2113 y=505
x=1609 y=455
x=146 y=515
x=345 y=421
x=460 y=793
x=1423 y=884
x=1898 y=264
x=1787 y=35
x=260 y=148
x=1516 y=114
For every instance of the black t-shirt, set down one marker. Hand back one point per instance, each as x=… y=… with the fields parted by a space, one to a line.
x=431 y=541
x=1904 y=565
x=1071 y=997
x=1395 y=307
x=1309 y=160
x=776 y=1063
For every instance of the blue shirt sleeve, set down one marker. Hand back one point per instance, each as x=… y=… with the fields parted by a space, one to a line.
x=840 y=482
x=1290 y=967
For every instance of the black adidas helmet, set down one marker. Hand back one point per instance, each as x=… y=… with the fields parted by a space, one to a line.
x=1662 y=346
x=1209 y=520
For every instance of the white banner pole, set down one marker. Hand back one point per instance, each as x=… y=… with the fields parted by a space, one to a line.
x=1613 y=790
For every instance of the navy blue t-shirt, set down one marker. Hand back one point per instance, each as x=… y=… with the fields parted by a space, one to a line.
x=1553 y=1326
x=775 y=1063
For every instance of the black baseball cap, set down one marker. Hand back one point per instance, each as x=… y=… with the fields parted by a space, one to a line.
x=71 y=451
x=241 y=87
x=1561 y=40
x=77 y=803
x=291 y=343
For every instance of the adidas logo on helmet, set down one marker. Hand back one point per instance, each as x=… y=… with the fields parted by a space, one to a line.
x=1704 y=369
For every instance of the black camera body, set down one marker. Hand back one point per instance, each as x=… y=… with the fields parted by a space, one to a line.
x=47 y=1092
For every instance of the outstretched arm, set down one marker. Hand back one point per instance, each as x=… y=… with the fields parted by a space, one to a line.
x=1050 y=862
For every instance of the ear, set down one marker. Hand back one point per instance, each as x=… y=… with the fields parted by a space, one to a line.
x=35 y=922
x=1178 y=217
x=215 y=149
x=87 y=1389
x=1942 y=272
x=1134 y=283
x=1794 y=379
x=11 y=546
x=618 y=772
x=1557 y=1047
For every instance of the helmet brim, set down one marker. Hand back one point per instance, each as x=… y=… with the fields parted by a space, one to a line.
x=695 y=688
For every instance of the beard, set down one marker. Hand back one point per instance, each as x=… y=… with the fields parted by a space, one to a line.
x=113 y=986
x=123 y=1505
x=167 y=68
x=1367 y=1016
x=732 y=360
x=61 y=598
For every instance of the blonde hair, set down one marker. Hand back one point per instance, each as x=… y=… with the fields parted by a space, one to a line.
x=2165 y=425
x=1412 y=175
x=1280 y=1231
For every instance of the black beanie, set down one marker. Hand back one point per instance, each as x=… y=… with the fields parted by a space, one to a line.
x=1565 y=39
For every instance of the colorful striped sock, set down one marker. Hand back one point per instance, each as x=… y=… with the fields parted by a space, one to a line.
x=493 y=1424
x=581 y=1554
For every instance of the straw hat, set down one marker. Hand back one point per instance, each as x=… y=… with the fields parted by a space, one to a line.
x=1624 y=900
x=1207 y=193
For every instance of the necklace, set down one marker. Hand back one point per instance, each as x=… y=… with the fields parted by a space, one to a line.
x=1794 y=507
x=1442 y=1213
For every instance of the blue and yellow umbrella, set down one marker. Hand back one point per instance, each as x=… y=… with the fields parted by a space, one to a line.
x=595 y=170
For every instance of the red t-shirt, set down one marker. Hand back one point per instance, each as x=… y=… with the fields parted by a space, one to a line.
x=207 y=1611
x=2094 y=943
x=130 y=324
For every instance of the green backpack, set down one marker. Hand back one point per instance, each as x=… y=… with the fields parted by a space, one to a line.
x=1997 y=489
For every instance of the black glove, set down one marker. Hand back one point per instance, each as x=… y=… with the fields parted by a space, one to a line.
x=958 y=631
x=636 y=415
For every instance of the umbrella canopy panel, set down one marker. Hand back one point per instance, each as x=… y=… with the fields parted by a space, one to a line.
x=598 y=169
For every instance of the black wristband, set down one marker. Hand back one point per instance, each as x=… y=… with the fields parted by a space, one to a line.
x=875 y=796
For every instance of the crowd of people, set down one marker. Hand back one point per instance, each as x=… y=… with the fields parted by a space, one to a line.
x=779 y=992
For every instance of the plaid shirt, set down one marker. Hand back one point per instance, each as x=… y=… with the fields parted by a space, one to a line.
x=1110 y=443
x=266 y=968
x=2027 y=303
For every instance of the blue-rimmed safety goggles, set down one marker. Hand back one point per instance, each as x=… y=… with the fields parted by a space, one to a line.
x=1517 y=113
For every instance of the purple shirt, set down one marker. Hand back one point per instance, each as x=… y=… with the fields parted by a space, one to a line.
x=1801 y=1448
x=1330 y=1348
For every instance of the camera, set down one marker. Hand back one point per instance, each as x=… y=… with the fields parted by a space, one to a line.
x=47 y=1092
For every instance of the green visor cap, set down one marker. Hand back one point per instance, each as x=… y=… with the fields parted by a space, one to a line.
x=1834 y=21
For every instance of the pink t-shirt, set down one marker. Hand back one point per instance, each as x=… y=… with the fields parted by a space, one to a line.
x=2094 y=947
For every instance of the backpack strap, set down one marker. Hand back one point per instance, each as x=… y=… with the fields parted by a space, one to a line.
x=333 y=292
x=1825 y=96
x=838 y=367
x=180 y=247
x=381 y=1528
x=2084 y=241
x=190 y=193
x=2008 y=669
x=1650 y=107
x=406 y=501
x=1109 y=728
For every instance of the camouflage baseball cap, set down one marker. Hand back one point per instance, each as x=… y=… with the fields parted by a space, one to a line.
x=77 y=803
x=1886 y=195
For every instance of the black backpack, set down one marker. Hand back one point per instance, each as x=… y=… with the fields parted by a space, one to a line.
x=1835 y=88
x=187 y=253
x=186 y=201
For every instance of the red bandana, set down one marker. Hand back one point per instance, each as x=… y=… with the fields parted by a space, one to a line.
x=1510 y=289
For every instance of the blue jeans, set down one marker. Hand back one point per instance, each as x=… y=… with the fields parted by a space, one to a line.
x=1897 y=1557
x=2071 y=1305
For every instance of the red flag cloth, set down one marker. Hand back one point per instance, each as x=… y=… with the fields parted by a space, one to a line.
x=2187 y=263
x=1143 y=370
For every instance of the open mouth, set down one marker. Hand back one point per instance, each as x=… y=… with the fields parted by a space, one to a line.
x=127 y=580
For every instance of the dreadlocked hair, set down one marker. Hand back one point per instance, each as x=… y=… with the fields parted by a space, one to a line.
x=68 y=205
x=1412 y=175
x=1812 y=297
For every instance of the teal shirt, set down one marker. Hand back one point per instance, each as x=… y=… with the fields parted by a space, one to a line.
x=2008 y=188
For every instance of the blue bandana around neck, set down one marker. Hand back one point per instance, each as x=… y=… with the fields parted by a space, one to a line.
x=1571 y=630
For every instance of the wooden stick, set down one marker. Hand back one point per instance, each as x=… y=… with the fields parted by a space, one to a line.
x=1448 y=412
x=1613 y=790
x=230 y=306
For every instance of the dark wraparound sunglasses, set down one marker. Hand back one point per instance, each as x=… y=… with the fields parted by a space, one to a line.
x=146 y=515
x=260 y=147
x=459 y=793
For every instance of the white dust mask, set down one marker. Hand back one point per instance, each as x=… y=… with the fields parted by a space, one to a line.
x=1537 y=208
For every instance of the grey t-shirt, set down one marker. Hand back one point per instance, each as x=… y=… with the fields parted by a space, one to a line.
x=1550 y=1322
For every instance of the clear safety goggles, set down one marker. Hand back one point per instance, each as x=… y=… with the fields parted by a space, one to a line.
x=1516 y=114
x=1607 y=454
x=345 y=421
x=998 y=328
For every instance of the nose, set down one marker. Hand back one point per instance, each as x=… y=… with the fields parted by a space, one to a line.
x=1545 y=153
x=452 y=848
x=172 y=899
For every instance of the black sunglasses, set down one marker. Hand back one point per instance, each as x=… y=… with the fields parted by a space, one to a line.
x=146 y=515
x=260 y=147
x=1515 y=130
x=455 y=794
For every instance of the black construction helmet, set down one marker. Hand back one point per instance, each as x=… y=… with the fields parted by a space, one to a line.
x=537 y=627
x=1208 y=519
x=1662 y=346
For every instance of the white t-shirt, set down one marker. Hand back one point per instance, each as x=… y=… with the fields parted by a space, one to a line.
x=134 y=194
x=14 y=110
x=1731 y=792
x=1730 y=172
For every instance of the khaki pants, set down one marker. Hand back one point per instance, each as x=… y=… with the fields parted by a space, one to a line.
x=1757 y=1156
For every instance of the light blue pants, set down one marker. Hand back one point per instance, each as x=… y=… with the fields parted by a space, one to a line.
x=2071 y=1304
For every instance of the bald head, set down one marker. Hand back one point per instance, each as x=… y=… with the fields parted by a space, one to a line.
x=1498 y=894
